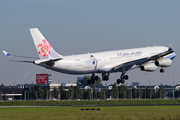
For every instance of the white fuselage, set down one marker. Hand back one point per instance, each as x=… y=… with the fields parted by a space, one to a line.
x=103 y=61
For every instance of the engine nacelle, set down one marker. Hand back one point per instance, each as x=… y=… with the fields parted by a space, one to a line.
x=165 y=62
x=150 y=67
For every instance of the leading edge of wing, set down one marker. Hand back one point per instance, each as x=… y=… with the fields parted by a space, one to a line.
x=15 y=56
x=130 y=64
x=155 y=57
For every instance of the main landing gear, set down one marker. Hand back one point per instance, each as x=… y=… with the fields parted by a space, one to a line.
x=105 y=77
x=122 y=78
x=93 y=78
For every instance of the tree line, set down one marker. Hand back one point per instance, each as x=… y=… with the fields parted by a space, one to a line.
x=74 y=92
x=117 y=92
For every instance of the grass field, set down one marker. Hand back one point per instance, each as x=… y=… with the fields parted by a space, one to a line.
x=84 y=102
x=105 y=113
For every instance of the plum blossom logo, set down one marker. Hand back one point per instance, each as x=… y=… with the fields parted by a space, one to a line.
x=44 y=48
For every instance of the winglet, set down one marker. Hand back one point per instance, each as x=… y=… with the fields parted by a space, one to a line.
x=6 y=53
x=170 y=48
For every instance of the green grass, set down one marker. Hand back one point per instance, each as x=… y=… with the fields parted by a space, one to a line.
x=101 y=102
x=106 y=113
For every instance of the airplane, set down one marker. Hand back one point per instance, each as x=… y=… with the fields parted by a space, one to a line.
x=145 y=58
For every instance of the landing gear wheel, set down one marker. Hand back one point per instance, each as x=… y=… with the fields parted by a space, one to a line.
x=106 y=78
x=118 y=81
x=92 y=76
x=92 y=81
x=162 y=70
x=96 y=78
x=122 y=81
x=126 y=77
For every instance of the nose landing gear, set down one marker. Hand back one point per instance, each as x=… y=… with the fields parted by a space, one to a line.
x=162 y=70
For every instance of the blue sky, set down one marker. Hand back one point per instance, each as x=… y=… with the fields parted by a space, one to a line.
x=81 y=26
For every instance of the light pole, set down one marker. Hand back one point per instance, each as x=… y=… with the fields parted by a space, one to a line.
x=2 y=81
x=125 y=94
x=110 y=88
x=145 y=85
x=139 y=94
x=178 y=88
x=104 y=95
x=156 y=88
x=145 y=79
x=150 y=88
x=82 y=95
x=96 y=94
x=58 y=82
x=47 y=95
x=135 y=88
x=24 y=95
x=95 y=87
x=173 y=86
x=117 y=94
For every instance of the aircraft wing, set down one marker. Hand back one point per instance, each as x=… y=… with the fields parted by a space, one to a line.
x=155 y=57
x=137 y=63
x=129 y=65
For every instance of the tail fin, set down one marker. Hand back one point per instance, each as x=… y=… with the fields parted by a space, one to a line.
x=44 y=49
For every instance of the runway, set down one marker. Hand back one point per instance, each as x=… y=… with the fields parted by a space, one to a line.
x=94 y=105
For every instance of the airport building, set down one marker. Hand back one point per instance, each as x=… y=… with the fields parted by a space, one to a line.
x=11 y=93
x=17 y=92
x=45 y=80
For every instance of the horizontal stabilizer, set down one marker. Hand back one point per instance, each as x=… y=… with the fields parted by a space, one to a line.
x=21 y=61
x=6 y=53
x=9 y=55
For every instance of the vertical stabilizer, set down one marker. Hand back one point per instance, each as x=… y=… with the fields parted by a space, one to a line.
x=44 y=49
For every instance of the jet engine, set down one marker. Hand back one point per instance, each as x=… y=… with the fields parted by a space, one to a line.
x=150 y=67
x=165 y=62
